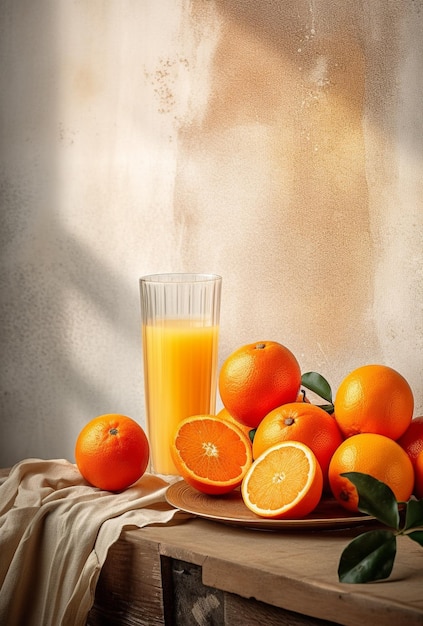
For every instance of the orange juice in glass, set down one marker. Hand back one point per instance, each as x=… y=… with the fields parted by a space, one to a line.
x=180 y=328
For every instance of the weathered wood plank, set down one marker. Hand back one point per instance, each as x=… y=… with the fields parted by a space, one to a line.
x=194 y=602
x=296 y=571
x=130 y=588
x=240 y=612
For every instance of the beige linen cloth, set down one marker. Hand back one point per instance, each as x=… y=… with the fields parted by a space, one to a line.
x=55 y=532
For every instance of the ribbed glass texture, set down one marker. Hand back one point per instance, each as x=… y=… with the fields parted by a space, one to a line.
x=180 y=329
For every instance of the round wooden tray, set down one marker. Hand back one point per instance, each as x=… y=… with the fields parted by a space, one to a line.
x=230 y=509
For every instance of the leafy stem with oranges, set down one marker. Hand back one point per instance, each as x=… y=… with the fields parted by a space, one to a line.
x=315 y=382
x=370 y=556
x=319 y=385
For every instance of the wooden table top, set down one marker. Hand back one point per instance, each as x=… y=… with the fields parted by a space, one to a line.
x=294 y=570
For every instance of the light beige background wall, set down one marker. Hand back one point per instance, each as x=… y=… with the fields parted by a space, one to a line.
x=279 y=144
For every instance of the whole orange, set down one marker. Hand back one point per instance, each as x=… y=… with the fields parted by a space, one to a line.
x=374 y=399
x=257 y=378
x=373 y=454
x=112 y=452
x=303 y=422
x=412 y=439
x=225 y=415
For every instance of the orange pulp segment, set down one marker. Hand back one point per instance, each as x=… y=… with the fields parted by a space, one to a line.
x=211 y=454
x=285 y=481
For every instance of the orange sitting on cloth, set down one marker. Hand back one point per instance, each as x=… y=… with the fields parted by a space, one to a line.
x=55 y=532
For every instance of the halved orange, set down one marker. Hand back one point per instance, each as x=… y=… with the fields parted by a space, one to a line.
x=211 y=454
x=285 y=481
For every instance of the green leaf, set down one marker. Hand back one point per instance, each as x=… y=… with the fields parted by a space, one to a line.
x=326 y=407
x=317 y=384
x=368 y=557
x=375 y=498
x=416 y=535
x=414 y=514
x=251 y=434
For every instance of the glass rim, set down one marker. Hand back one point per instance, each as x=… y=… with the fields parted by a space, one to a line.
x=180 y=277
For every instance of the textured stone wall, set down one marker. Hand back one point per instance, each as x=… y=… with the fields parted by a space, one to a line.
x=279 y=144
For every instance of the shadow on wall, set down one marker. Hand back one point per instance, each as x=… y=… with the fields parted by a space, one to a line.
x=69 y=321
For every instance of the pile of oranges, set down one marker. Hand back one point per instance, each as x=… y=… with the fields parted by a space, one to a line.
x=283 y=452
x=286 y=453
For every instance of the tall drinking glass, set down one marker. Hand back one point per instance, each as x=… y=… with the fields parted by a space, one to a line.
x=180 y=329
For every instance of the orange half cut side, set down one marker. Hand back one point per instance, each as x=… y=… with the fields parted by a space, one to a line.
x=211 y=454
x=285 y=481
